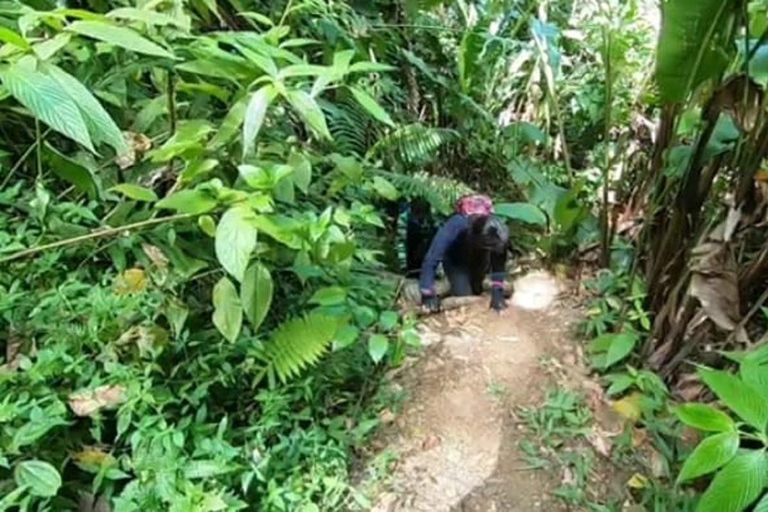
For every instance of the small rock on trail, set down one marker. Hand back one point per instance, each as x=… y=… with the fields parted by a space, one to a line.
x=457 y=437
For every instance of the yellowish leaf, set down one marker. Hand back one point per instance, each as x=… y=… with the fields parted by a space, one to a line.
x=92 y=458
x=629 y=407
x=133 y=280
x=155 y=255
x=638 y=481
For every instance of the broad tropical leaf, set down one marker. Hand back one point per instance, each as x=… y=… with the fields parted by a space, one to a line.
x=309 y=111
x=77 y=173
x=710 y=455
x=329 y=296
x=704 y=417
x=255 y=113
x=523 y=212
x=302 y=171
x=40 y=477
x=136 y=192
x=256 y=293
x=227 y=309
x=235 y=240
x=689 y=50
x=299 y=343
x=119 y=36
x=378 y=344
x=738 y=396
x=151 y=18
x=737 y=485
x=47 y=100
x=469 y=52
x=370 y=104
x=11 y=37
x=193 y=202
x=100 y=123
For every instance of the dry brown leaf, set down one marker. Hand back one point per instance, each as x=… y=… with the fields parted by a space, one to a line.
x=600 y=442
x=155 y=255
x=714 y=280
x=430 y=442
x=88 y=402
x=138 y=144
x=13 y=351
x=386 y=416
x=658 y=465
x=133 y=280
x=639 y=436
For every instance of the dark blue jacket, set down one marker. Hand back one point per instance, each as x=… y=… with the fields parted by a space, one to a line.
x=447 y=248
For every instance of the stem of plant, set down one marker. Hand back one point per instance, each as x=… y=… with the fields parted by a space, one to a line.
x=93 y=235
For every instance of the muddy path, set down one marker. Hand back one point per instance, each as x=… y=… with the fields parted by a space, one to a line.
x=457 y=435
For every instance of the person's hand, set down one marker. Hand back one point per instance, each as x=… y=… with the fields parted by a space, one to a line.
x=430 y=302
x=498 y=302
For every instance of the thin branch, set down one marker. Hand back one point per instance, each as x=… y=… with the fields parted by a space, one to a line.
x=93 y=235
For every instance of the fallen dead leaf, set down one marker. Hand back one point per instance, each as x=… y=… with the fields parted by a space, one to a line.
x=430 y=442
x=88 y=402
x=639 y=436
x=568 y=478
x=600 y=442
x=155 y=255
x=386 y=416
x=138 y=144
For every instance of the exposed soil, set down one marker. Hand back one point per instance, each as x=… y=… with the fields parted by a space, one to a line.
x=457 y=436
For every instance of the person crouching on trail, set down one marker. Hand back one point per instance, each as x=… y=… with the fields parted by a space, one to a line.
x=470 y=243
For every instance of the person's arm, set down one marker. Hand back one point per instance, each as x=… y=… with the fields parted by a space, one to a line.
x=444 y=238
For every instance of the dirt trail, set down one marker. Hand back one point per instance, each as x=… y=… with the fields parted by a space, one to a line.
x=456 y=436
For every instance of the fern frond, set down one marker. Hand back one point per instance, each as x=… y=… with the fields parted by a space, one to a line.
x=349 y=125
x=299 y=343
x=413 y=144
x=441 y=192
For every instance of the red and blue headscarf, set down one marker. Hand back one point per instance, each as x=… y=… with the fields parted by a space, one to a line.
x=475 y=204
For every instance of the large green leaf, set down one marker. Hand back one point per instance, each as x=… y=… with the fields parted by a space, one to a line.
x=378 y=344
x=136 y=192
x=255 y=113
x=737 y=485
x=738 y=396
x=227 y=310
x=11 y=37
x=712 y=453
x=762 y=505
x=470 y=48
x=302 y=171
x=119 y=36
x=47 y=100
x=688 y=50
x=256 y=293
x=100 y=124
x=370 y=104
x=151 y=18
x=193 y=202
x=309 y=111
x=235 y=240
x=40 y=477
x=523 y=212
x=704 y=417
x=329 y=296
x=78 y=174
